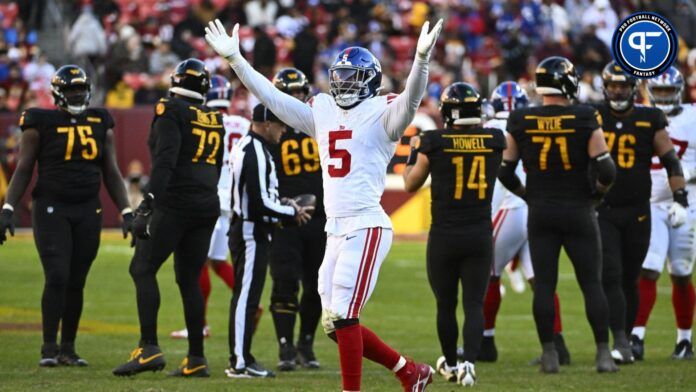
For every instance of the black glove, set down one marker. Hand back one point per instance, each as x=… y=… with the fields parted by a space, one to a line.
x=127 y=224
x=143 y=215
x=6 y=223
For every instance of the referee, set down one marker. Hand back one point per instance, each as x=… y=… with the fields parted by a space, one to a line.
x=257 y=210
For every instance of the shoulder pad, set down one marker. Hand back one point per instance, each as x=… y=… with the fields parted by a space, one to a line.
x=32 y=118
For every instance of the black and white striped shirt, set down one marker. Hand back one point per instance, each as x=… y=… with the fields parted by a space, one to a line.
x=254 y=182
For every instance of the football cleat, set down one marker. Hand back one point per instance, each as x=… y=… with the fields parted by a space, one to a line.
x=449 y=373
x=415 y=377
x=49 y=354
x=306 y=357
x=251 y=371
x=549 y=361
x=142 y=359
x=683 y=350
x=192 y=367
x=637 y=347
x=183 y=333
x=604 y=362
x=466 y=374
x=68 y=357
x=561 y=349
x=287 y=357
x=622 y=354
x=488 y=352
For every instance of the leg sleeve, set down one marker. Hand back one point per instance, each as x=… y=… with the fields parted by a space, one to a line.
x=636 y=240
x=473 y=274
x=612 y=268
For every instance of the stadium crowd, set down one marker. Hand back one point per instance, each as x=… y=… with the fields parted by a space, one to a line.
x=131 y=47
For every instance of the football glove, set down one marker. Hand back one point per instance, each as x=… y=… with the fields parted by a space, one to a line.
x=6 y=224
x=677 y=211
x=143 y=215
x=426 y=40
x=223 y=44
x=127 y=224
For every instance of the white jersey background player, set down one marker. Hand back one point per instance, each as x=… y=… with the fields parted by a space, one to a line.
x=674 y=244
x=356 y=131
x=219 y=96
x=509 y=232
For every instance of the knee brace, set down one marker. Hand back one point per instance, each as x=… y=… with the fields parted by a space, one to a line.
x=285 y=291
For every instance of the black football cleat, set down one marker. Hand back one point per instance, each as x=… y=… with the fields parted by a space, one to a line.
x=287 y=357
x=142 y=359
x=637 y=347
x=192 y=367
x=49 y=355
x=488 y=352
x=561 y=349
x=251 y=371
x=306 y=357
x=68 y=357
x=683 y=350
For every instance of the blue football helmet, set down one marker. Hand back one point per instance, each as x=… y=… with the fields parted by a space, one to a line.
x=665 y=91
x=355 y=75
x=508 y=96
x=220 y=93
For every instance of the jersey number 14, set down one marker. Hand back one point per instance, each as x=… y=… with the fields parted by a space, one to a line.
x=477 y=176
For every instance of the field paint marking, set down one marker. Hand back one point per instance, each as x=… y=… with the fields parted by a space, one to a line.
x=10 y=314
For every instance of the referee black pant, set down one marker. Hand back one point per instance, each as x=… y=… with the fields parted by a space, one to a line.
x=250 y=245
x=575 y=228
x=188 y=238
x=67 y=239
x=625 y=241
x=453 y=259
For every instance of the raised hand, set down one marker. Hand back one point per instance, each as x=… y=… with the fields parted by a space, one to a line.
x=223 y=44
x=426 y=41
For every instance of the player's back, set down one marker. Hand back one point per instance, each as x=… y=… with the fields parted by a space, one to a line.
x=630 y=139
x=70 y=153
x=354 y=151
x=463 y=168
x=193 y=186
x=553 y=143
x=297 y=167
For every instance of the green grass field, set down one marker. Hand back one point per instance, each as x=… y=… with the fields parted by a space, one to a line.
x=401 y=311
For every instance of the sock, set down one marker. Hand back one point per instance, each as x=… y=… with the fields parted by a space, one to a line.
x=204 y=283
x=350 y=351
x=489 y=333
x=647 y=294
x=557 y=325
x=683 y=334
x=224 y=270
x=491 y=304
x=376 y=350
x=683 y=298
x=639 y=332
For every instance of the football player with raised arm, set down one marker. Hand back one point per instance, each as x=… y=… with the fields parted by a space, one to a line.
x=558 y=142
x=356 y=131
x=463 y=161
x=74 y=148
x=668 y=239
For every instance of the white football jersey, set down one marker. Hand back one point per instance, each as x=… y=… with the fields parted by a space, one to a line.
x=682 y=131
x=354 y=150
x=236 y=127
x=503 y=198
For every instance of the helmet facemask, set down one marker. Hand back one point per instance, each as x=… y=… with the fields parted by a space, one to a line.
x=72 y=98
x=349 y=84
x=665 y=97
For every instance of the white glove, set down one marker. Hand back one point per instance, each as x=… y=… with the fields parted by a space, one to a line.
x=677 y=214
x=426 y=41
x=223 y=44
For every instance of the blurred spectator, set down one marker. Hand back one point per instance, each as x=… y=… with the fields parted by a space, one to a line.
x=87 y=40
x=16 y=88
x=592 y=53
x=3 y=101
x=38 y=73
x=163 y=58
x=603 y=17
x=135 y=180
x=590 y=88
x=261 y=12
x=555 y=19
x=264 y=52
x=305 y=52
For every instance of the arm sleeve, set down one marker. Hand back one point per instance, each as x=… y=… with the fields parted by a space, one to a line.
x=290 y=110
x=260 y=201
x=402 y=109
x=112 y=175
x=165 y=154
